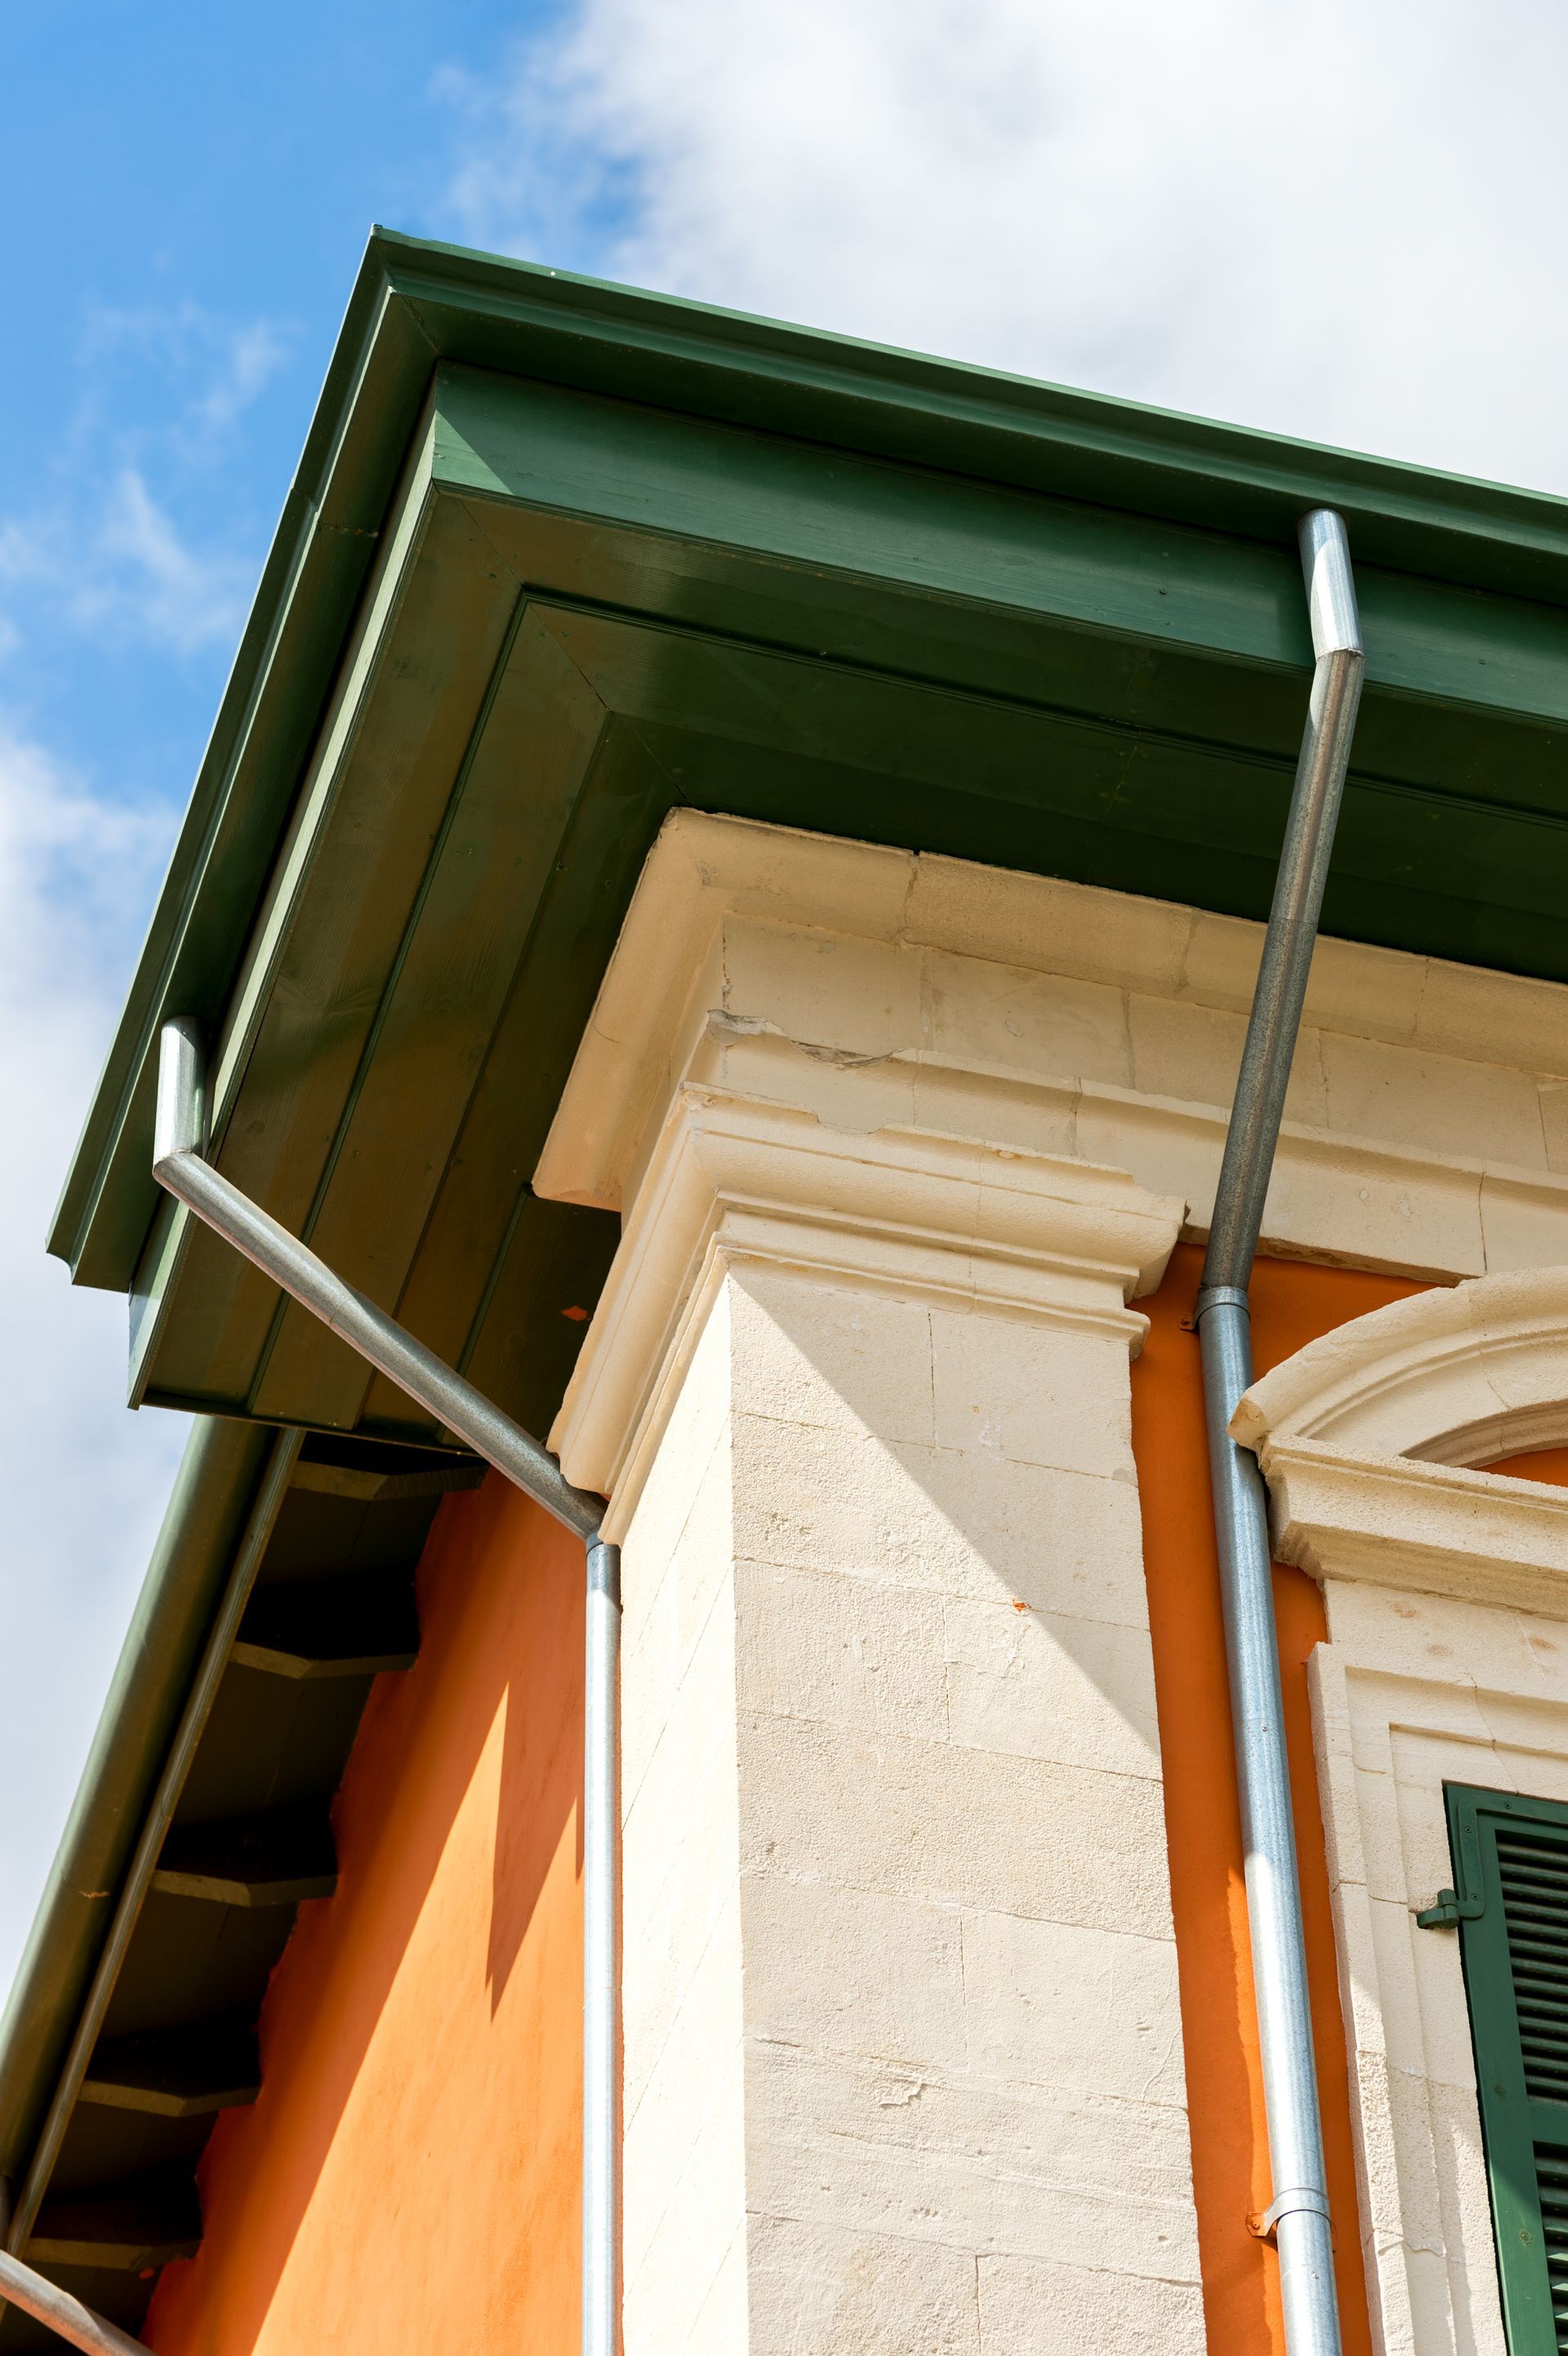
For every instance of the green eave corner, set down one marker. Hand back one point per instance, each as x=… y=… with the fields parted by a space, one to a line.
x=563 y=556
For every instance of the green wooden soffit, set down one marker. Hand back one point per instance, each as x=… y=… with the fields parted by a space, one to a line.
x=561 y=557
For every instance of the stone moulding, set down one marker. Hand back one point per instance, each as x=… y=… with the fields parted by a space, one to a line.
x=1121 y=1015
x=703 y=868
x=737 y=1180
x=1425 y=1527
x=1455 y=1376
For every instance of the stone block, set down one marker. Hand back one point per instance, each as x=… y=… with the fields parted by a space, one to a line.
x=1020 y=1117
x=1393 y=1930
x=659 y=1643
x=828 y=990
x=1467 y=1012
x=1193 y=1052
x=853 y=1971
x=1398 y=1097
x=699 y=1421
x=1028 y=2308
x=1335 y=1198
x=1042 y=1685
x=1523 y=1224
x=685 y=2135
x=1089 y=2012
x=720 y=2328
x=984 y=2167
x=1034 y=1394
x=1554 y=1101
x=1367 y=992
x=954 y=1827
x=1048 y=1025
x=1038 y=921
x=818 y=2290
x=680 y=2254
x=848 y=1360
x=680 y=1842
x=842 y=1650
x=1467 y=2213
x=949 y=1521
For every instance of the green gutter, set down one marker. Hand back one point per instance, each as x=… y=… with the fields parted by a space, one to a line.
x=214 y=1489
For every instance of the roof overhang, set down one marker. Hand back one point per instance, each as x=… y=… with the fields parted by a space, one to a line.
x=561 y=556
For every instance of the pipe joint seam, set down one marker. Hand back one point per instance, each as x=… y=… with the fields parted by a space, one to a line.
x=605 y=1570
x=1220 y=1296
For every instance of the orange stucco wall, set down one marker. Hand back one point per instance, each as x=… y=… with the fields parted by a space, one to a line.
x=410 y=2173
x=1292 y=1303
x=409 y=2178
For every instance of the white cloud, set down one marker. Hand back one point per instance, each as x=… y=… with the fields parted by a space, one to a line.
x=215 y=366
x=132 y=571
x=84 y=1483
x=119 y=539
x=252 y=355
x=155 y=583
x=1342 y=223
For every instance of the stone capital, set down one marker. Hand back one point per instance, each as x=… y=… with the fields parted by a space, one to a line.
x=743 y=1180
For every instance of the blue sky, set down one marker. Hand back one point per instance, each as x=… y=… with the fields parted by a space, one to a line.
x=193 y=187
x=1344 y=225
x=189 y=190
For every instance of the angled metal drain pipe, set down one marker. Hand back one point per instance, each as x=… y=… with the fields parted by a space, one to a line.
x=1298 y=2212
x=46 y=2303
x=178 y=1164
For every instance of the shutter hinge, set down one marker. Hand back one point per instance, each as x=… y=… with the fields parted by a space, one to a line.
x=1468 y=1902
x=1450 y=1908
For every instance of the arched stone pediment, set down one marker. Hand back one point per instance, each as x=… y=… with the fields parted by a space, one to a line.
x=1460 y=1376
x=1445 y=1590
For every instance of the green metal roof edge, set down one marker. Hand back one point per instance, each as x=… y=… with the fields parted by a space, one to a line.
x=415 y=303
x=1214 y=472
x=214 y=1490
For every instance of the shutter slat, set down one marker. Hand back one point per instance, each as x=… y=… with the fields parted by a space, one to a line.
x=1511 y=1854
x=1552 y=2182
x=1533 y=1875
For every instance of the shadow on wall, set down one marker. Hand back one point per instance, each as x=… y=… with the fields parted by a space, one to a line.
x=412 y=2162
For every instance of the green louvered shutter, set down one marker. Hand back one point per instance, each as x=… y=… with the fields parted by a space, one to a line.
x=1510 y=1901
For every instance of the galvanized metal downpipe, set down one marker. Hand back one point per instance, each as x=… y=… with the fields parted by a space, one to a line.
x=1298 y=2212
x=178 y=1164
x=46 y=2303
x=600 y=1958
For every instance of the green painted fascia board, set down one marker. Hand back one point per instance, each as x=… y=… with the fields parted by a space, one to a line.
x=950 y=537
x=311 y=585
x=214 y=1490
x=948 y=414
x=415 y=304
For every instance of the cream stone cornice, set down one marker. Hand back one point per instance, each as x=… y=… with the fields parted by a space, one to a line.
x=1431 y=1528
x=737 y=1180
x=1119 y=1016
x=1455 y=1376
